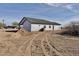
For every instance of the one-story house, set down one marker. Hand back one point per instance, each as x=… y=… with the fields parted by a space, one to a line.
x=34 y=24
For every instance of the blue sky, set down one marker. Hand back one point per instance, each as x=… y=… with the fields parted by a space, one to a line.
x=59 y=12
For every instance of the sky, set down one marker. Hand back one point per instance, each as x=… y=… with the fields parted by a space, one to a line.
x=58 y=12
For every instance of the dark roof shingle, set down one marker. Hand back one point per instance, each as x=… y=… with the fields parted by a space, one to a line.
x=37 y=21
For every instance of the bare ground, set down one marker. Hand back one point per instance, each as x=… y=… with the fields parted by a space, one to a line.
x=48 y=43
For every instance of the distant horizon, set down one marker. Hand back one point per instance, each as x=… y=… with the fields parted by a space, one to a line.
x=59 y=12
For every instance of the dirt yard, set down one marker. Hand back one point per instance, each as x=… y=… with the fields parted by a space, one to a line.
x=24 y=43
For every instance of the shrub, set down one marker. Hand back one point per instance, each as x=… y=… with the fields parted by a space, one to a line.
x=72 y=29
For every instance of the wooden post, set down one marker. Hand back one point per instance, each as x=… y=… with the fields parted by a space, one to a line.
x=19 y=27
x=53 y=27
x=61 y=28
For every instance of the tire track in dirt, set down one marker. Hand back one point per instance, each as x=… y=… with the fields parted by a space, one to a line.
x=36 y=49
x=53 y=50
x=39 y=45
x=43 y=47
x=65 y=53
x=26 y=43
x=47 y=48
x=28 y=50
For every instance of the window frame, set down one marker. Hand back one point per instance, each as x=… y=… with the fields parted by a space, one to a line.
x=49 y=26
x=44 y=26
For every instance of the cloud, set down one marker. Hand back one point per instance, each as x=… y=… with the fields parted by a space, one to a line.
x=76 y=18
x=68 y=6
x=73 y=19
x=54 y=4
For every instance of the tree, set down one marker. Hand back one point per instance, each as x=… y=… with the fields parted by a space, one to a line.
x=1 y=25
x=15 y=23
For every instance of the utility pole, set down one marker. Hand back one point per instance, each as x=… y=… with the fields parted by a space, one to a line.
x=3 y=22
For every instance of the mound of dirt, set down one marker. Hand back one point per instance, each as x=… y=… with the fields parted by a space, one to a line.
x=21 y=33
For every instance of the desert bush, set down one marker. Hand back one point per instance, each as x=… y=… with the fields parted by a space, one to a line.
x=72 y=29
x=2 y=25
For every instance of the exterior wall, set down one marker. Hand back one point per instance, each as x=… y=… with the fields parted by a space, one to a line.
x=47 y=27
x=27 y=26
x=57 y=27
x=37 y=27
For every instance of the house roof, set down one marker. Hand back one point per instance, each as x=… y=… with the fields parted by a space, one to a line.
x=37 y=21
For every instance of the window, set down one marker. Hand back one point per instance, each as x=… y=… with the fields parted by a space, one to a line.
x=49 y=26
x=44 y=26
